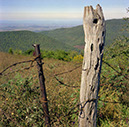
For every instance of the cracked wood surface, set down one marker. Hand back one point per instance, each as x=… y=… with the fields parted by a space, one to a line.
x=94 y=30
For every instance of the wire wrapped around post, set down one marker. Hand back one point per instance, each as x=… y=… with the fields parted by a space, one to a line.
x=42 y=85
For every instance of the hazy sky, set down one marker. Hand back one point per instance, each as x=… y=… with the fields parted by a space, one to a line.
x=58 y=9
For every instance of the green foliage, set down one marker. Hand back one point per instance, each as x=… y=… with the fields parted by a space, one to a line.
x=58 y=54
x=18 y=52
x=23 y=40
x=29 y=52
x=113 y=103
x=61 y=55
x=71 y=36
x=78 y=58
x=10 y=51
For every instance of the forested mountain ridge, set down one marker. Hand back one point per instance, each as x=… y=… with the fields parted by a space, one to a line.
x=75 y=35
x=23 y=40
x=62 y=39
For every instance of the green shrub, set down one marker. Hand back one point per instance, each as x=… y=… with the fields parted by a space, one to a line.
x=10 y=51
x=29 y=52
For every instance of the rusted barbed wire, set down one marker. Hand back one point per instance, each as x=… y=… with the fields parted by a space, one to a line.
x=14 y=65
x=55 y=75
x=80 y=107
x=26 y=68
x=68 y=71
x=28 y=61
x=62 y=83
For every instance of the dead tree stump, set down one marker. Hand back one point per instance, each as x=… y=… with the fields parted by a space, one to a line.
x=94 y=30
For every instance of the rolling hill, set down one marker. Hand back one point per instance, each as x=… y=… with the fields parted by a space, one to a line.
x=75 y=36
x=62 y=39
x=23 y=40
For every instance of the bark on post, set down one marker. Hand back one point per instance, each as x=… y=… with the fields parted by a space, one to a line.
x=42 y=85
x=94 y=30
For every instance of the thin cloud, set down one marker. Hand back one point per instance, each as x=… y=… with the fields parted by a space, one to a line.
x=52 y=15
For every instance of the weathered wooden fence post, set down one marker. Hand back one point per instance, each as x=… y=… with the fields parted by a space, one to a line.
x=42 y=85
x=94 y=30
